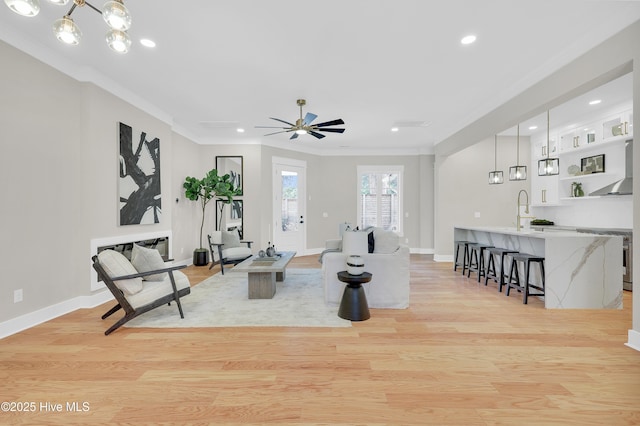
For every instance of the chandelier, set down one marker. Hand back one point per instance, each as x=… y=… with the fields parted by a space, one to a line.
x=114 y=13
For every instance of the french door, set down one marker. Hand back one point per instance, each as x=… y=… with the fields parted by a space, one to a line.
x=289 y=204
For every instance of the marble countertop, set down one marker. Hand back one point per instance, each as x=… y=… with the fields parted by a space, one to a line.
x=529 y=233
x=584 y=229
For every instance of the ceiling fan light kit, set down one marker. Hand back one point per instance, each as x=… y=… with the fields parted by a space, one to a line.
x=303 y=125
x=114 y=13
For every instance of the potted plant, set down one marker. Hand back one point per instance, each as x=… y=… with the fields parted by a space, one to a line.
x=206 y=189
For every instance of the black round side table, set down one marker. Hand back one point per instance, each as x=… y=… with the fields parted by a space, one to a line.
x=354 y=305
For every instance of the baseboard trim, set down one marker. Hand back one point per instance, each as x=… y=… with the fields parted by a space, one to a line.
x=32 y=319
x=443 y=257
x=634 y=340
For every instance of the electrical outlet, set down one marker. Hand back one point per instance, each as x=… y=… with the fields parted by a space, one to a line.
x=17 y=296
x=325 y=214
x=476 y=215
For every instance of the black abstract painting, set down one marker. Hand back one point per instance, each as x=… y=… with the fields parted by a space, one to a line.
x=139 y=183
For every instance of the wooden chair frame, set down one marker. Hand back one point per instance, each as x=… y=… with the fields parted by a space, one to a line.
x=130 y=312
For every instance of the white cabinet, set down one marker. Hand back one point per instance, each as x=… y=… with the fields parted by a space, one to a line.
x=619 y=126
x=580 y=137
x=540 y=147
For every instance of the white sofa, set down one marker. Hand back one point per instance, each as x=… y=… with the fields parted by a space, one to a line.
x=388 y=264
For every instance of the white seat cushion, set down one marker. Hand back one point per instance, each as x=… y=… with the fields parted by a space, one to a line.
x=153 y=290
x=235 y=253
x=116 y=265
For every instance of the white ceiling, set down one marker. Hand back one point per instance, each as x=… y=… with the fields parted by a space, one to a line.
x=372 y=63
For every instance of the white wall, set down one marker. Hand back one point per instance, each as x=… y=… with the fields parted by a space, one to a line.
x=462 y=189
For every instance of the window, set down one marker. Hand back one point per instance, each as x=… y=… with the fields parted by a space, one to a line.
x=380 y=197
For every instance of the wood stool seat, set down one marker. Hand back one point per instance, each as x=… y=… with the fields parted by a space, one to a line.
x=514 y=275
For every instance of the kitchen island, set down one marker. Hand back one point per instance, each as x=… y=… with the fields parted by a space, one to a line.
x=582 y=271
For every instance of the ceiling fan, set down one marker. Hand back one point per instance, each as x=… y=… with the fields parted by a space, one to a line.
x=303 y=125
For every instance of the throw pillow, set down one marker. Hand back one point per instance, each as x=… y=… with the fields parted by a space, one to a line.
x=230 y=239
x=116 y=265
x=145 y=260
x=386 y=241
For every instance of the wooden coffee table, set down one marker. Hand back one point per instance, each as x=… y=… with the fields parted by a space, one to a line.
x=263 y=273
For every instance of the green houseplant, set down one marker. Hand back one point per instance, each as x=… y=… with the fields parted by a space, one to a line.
x=206 y=189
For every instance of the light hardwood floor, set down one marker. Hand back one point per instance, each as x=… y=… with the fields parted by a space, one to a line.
x=462 y=354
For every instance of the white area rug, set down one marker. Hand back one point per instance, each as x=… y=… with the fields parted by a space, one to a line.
x=222 y=301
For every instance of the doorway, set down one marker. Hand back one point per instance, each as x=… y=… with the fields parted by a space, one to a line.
x=289 y=204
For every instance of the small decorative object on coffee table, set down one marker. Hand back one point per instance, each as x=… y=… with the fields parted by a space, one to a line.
x=354 y=305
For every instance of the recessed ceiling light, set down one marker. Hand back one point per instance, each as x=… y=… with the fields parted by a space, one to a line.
x=595 y=102
x=240 y=130
x=468 y=39
x=394 y=129
x=147 y=42
x=533 y=127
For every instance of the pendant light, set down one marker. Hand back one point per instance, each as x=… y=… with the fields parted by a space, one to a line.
x=548 y=166
x=518 y=172
x=496 y=176
x=114 y=13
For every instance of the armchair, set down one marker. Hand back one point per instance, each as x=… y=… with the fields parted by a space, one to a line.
x=139 y=292
x=226 y=247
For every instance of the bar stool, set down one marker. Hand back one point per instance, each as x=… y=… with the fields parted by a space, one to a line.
x=465 y=255
x=476 y=252
x=514 y=281
x=491 y=266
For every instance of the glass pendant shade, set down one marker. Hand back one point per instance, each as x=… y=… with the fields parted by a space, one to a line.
x=548 y=167
x=496 y=177
x=67 y=31
x=118 y=41
x=116 y=15
x=59 y=2
x=24 y=7
x=518 y=173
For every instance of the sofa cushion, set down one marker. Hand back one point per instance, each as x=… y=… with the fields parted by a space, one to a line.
x=386 y=241
x=145 y=260
x=116 y=265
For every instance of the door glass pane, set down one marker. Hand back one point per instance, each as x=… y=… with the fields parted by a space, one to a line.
x=368 y=189
x=389 y=201
x=290 y=216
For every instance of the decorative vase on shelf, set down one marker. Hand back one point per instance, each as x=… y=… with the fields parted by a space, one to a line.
x=355 y=265
x=577 y=189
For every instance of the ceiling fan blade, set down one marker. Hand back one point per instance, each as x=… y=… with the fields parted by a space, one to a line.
x=275 y=133
x=331 y=130
x=282 y=121
x=270 y=127
x=293 y=136
x=309 y=118
x=316 y=134
x=330 y=123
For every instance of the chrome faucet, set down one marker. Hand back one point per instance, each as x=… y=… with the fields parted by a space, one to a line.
x=526 y=210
